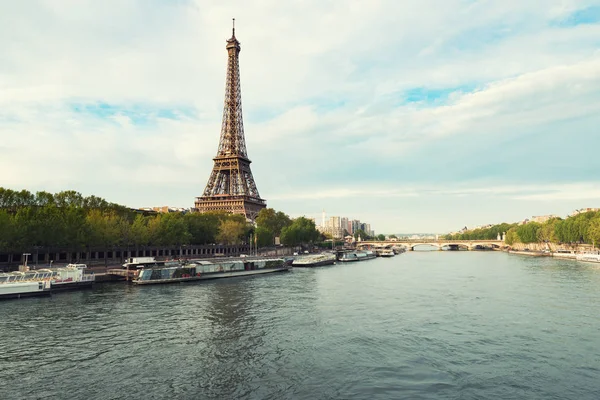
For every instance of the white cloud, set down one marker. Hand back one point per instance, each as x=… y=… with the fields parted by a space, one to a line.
x=322 y=86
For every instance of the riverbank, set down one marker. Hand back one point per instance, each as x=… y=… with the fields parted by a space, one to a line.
x=560 y=255
x=531 y=253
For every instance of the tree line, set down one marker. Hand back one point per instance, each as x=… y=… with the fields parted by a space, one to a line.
x=71 y=221
x=576 y=229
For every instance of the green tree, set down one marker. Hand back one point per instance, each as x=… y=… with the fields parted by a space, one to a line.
x=546 y=233
x=168 y=229
x=203 y=227
x=104 y=229
x=511 y=236
x=301 y=231
x=43 y=199
x=231 y=231
x=593 y=232
x=528 y=233
x=381 y=237
x=139 y=231
x=7 y=234
x=272 y=221
x=264 y=237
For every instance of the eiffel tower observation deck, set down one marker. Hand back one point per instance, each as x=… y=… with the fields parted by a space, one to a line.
x=231 y=186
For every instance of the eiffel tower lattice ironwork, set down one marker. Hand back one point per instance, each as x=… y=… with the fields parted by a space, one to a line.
x=231 y=186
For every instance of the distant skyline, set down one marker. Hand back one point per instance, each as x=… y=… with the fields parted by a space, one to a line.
x=414 y=116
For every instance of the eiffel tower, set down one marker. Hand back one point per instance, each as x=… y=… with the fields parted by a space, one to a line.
x=231 y=187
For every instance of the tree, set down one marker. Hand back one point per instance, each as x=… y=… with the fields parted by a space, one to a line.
x=43 y=199
x=104 y=231
x=168 y=229
x=68 y=198
x=139 y=231
x=528 y=233
x=7 y=234
x=546 y=233
x=231 y=231
x=301 y=231
x=393 y=237
x=381 y=237
x=272 y=221
x=593 y=232
x=203 y=227
x=512 y=236
x=264 y=237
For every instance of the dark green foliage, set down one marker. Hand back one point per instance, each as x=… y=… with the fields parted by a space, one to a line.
x=528 y=233
x=482 y=234
x=70 y=221
x=270 y=224
x=301 y=231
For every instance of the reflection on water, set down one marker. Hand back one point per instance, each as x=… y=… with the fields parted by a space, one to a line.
x=419 y=325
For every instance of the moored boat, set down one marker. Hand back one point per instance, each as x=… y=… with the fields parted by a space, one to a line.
x=588 y=257
x=15 y=285
x=398 y=249
x=148 y=262
x=365 y=255
x=386 y=253
x=348 y=256
x=205 y=270
x=315 y=260
x=71 y=277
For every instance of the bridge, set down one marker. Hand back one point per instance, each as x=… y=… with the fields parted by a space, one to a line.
x=410 y=244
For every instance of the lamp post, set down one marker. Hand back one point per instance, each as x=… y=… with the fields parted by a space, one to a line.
x=26 y=255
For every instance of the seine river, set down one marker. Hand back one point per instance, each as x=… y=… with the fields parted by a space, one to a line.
x=422 y=325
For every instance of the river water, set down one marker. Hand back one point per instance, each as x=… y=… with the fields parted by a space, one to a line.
x=421 y=325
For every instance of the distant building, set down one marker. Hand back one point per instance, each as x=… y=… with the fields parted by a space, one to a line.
x=542 y=218
x=583 y=210
x=333 y=227
x=167 y=209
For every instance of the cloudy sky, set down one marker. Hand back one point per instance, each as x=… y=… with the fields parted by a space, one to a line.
x=415 y=116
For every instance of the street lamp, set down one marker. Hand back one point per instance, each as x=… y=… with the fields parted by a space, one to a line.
x=26 y=255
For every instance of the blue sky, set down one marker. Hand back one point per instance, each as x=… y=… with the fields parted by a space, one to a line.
x=414 y=116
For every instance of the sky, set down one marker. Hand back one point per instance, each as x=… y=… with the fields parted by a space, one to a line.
x=413 y=116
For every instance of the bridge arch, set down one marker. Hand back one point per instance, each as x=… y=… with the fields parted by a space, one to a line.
x=413 y=247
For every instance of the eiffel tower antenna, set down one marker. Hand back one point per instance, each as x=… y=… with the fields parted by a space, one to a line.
x=231 y=186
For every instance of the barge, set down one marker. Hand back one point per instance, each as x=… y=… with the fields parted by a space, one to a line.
x=315 y=260
x=205 y=270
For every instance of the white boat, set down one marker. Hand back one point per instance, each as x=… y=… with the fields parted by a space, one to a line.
x=15 y=285
x=588 y=257
x=315 y=260
x=386 y=253
x=72 y=277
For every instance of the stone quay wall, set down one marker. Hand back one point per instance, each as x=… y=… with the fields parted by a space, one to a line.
x=45 y=257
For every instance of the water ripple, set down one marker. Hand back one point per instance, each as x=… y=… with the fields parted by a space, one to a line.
x=421 y=325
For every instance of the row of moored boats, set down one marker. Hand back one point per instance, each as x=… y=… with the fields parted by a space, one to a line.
x=317 y=260
x=148 y=271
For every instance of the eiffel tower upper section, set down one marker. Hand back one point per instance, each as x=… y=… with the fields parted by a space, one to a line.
x=231 y=186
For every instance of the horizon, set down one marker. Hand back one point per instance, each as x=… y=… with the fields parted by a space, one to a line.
x=421 y=116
